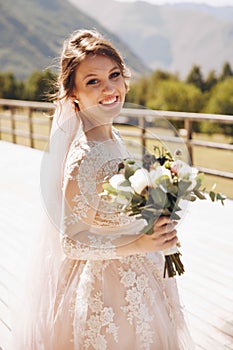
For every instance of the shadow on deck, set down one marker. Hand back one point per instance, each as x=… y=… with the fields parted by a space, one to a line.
x=205 y=233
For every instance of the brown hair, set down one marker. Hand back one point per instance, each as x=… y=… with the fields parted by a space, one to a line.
x=81 y=44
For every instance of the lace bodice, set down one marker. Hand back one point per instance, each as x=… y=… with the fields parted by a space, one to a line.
x=92 y=228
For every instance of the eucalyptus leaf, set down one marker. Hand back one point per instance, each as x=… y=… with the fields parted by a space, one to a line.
x=199 y=180
x=148 y=229
x=183 y=185
x=164 y=182
x=174 y=216
x=110 y=189
x=159 y=197
x=129 y=171
x=199 y=194
x=212 y=195
x=125 y=183
x=177 y=207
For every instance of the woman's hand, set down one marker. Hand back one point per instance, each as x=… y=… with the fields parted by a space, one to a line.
x=163 y=237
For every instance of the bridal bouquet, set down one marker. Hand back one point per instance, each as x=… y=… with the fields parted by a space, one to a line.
x=157 y=189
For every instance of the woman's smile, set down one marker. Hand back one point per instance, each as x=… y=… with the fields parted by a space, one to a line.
x=109 y=101
x=99 y=86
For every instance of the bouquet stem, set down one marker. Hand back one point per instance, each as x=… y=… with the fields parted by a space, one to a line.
x=173 y=265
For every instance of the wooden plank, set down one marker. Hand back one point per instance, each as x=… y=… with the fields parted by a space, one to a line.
x=177 y=115
x=22 y=133
x=27 y=104
x=209 y=144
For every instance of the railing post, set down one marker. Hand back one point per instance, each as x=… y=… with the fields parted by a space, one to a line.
x=30 y=110
x=12 y=109
x=50 y=123
x=189 y=129
x=142 y=123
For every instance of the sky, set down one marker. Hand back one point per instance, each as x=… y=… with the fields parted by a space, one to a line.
x=208 y=2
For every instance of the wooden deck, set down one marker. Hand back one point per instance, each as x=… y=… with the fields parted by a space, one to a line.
x=206 y=235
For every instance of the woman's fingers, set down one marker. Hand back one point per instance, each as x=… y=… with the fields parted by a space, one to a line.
x=164 y=229
x=163 y=237
x=169 y=235
x=164 y=220
x=169 y=244
x=156 y=242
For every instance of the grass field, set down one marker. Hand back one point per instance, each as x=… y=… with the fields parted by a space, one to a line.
x=205 y=157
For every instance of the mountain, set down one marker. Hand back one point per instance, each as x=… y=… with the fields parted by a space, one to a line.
x=171 y=37
x=32 y=33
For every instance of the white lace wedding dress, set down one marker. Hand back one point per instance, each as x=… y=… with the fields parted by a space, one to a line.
x=100 y=299
x=106 y=301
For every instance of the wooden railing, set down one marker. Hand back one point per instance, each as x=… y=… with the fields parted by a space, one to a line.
x=11 y=113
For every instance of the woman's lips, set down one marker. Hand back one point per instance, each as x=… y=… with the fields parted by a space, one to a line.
x=109 y=100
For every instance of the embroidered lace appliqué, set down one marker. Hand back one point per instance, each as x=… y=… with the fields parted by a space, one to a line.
x=139 y=298
x=89 y=164
x=76 y=250
x=100 y=319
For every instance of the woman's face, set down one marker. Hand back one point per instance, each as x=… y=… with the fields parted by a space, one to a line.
x=99 y=86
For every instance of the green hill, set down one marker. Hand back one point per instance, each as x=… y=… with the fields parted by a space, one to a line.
x=32 y=32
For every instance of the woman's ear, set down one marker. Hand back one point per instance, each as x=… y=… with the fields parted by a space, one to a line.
x=76 y=102
x=74 y=97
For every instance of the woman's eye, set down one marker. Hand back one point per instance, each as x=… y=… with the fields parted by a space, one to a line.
x=115 y=75
x=92 y=82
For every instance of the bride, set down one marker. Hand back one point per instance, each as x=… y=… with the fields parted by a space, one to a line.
x=96 y=281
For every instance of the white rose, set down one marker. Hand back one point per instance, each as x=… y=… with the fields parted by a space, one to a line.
x=116 y=182
x=185 y=170
x=157 y=173
x=139 y=180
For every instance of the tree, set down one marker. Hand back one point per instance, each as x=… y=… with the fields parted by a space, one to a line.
x=40 y=86
x=211 y=80
x=138 y=92
x=195 y=77
x=163 y=75
x=176 y=96
x=221 y=102
x=9 y=86
x=226 y=71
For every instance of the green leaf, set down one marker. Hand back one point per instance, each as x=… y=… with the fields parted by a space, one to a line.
x=199 y=194
x=111 y=190
x=159 y=197
x=212 y=196
x=164 y=182
x=221 y=197
x=199 y=179
x=130 y=161
x=148 y=229
x=125 y=183
x=174 y=216
x=183 y=185
x=176 y=207
x=192 y=198
x=129 y=170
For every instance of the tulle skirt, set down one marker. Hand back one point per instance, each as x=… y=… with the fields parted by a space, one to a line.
x=123 y=304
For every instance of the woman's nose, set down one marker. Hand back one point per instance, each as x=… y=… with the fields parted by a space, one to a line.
x=108 y=87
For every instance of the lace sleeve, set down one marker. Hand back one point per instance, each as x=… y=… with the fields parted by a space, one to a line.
x=92 y=229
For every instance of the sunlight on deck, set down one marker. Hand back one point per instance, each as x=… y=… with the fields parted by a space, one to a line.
x=206 y=236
